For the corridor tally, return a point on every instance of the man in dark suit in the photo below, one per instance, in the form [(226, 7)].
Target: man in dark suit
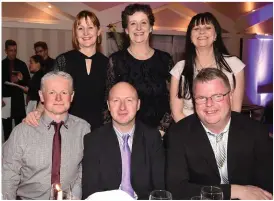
[(13, 70), (124, 154), (218, 147), (41, 48)]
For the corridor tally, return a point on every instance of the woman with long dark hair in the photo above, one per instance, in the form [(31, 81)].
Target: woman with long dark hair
[(204, 48)]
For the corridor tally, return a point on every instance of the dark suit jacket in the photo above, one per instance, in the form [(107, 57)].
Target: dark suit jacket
[(16, 94), (102, 164), (191, 162)]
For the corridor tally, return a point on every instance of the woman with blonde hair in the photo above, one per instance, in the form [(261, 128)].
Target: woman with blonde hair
[(88, 69)]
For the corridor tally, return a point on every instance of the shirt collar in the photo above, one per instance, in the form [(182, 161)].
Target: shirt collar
[(46, 120), (121, 134), (226, 128)]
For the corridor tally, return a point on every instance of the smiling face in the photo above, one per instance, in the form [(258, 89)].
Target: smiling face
[(138, 27), (213, 114), (57, 96), (87, 33), (123, 104), (203, 35)]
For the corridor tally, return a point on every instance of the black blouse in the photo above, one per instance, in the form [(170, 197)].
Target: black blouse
[(89, 101), (150, 77), (34, 85)]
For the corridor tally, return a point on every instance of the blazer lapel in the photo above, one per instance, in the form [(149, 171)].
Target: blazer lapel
[(235, 142), (114, 153), (137, 151), (201, 141)]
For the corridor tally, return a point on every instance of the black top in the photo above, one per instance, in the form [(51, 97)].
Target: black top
[(48, 64), (16, 94), (88, 102), (150, 78), (34, 86)]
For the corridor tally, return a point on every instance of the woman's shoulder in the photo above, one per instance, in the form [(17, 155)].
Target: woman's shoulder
[(234, 63), (68, 53), (118, 54), (177, 70), (162, 53), (101, 56)]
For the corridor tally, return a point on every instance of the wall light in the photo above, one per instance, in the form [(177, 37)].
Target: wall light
[(49, 6)]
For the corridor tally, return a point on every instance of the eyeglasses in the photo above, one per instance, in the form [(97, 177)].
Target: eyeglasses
[(216, 98)]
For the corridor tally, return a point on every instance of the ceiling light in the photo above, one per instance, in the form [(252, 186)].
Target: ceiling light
[(266, 34), (49, 6), (253, 10)]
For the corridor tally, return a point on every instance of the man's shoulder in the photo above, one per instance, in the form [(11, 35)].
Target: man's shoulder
[(76, 120), (20, 61), (245, 121), (99, 133)]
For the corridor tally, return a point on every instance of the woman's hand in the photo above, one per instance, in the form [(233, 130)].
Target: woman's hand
[(32, 118)]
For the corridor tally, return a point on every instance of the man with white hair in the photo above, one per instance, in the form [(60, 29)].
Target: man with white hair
[(34, 158)]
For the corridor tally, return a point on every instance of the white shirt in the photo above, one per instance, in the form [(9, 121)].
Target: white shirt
[(212, 139)]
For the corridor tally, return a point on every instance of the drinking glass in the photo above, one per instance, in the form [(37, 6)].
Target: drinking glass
[(212, 193), (199, 197), (160, 195)]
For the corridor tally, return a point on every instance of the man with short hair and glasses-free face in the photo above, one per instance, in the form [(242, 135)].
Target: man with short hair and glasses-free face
[(41, 48), (218, 147)]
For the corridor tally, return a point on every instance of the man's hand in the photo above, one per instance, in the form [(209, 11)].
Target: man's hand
[(249, 193), (14, 79), (32, 118)]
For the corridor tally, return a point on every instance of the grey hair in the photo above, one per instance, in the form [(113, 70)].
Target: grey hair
[(208, 74), (56, 73)]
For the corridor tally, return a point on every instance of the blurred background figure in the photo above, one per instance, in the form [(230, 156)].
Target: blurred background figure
[(41, 48), (14, 73)]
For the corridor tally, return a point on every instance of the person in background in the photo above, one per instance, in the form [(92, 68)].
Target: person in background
[(36, 63), (147, 69), (88, 68), (34, 158), (41, 48), (204, 48), (14, 73), (124, 154), (218, 147)]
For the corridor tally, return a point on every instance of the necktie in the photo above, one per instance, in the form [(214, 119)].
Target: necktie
[(56, 153), (126, 158), (221, 155)]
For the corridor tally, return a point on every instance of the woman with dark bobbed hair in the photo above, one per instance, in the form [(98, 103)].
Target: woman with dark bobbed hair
[(88, 69), (204, 48), (147, 69)]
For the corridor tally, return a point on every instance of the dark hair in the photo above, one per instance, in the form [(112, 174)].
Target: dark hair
[(10, 43), (208, 74), (83, 14), (41, 44), (219, 49), (133, 8), (38, 59)]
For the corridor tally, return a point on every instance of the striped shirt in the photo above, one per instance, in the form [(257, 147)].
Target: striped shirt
[(213, 141)]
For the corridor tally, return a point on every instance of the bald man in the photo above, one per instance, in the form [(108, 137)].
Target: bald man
[(124, 154)]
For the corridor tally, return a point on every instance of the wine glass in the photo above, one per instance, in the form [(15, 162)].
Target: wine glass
[(160, 195), (198, 197), (212, 193)]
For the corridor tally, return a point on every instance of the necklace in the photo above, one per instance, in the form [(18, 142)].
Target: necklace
[(138, 56), (205, 66)]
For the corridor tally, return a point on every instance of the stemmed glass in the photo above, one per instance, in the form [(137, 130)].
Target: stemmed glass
[(212, 193), (160, 195)]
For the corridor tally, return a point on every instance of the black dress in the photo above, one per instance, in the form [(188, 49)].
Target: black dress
[(89, 101), (150, 78)]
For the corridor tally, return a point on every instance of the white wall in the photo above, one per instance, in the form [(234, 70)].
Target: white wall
[(58, 41)]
